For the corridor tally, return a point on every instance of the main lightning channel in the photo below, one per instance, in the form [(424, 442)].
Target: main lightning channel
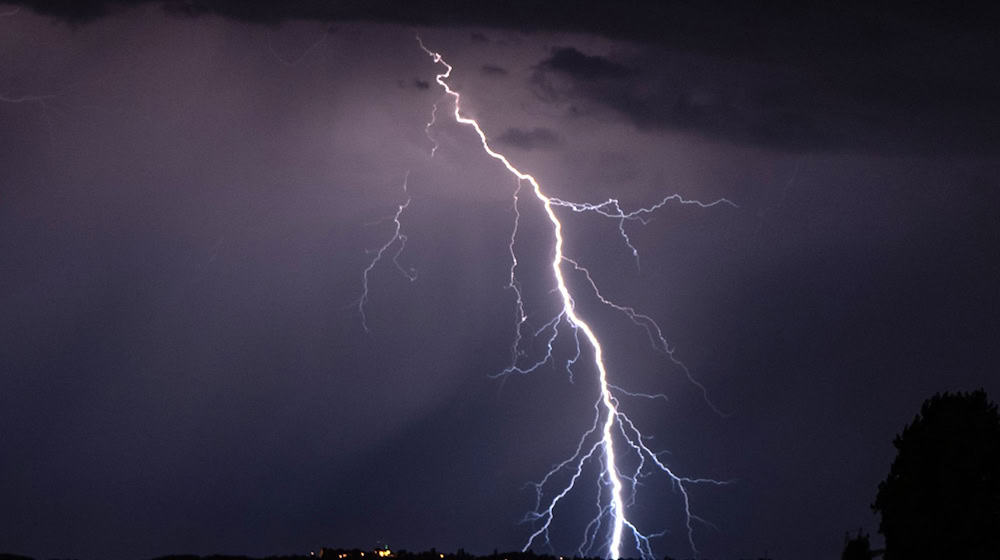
[(617, 504), (606, 404)]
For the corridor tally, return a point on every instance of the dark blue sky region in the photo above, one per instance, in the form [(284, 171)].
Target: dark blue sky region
[(188, 195)]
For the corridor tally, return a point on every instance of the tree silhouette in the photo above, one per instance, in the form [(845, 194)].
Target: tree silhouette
[(858, 548), (942, 496)]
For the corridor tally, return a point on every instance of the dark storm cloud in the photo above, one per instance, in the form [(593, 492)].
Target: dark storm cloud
[(493, 70), (421, 84), (580, 66), (800, 30), (477, 37), (801, 77), (878, 107), (535, 138)]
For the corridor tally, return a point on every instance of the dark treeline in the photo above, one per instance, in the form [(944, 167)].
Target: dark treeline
[(941, 498)]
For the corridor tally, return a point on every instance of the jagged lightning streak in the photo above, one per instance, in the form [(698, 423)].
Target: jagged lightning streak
[(398, 237), (607, 403), (568, 311), (611, 208)]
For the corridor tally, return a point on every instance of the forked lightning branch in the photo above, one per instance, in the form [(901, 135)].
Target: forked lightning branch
[(612, 437)]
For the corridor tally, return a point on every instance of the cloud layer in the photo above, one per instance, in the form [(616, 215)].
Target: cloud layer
[(780, 106), (803, 77), (529, 139)]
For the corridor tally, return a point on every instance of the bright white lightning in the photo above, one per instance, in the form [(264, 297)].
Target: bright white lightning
[(607, 403), (611, 208)]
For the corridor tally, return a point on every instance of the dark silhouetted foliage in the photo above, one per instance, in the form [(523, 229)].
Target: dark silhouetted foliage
[(858, 548), (15, 557), (942, 496)]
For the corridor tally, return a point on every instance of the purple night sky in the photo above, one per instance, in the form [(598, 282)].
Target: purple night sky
[(189, 191)]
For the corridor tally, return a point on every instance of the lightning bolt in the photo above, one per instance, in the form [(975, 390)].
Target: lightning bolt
[(398, 239), (616, 489)]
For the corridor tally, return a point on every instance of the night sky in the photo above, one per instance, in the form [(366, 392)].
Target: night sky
[(189, 191)]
